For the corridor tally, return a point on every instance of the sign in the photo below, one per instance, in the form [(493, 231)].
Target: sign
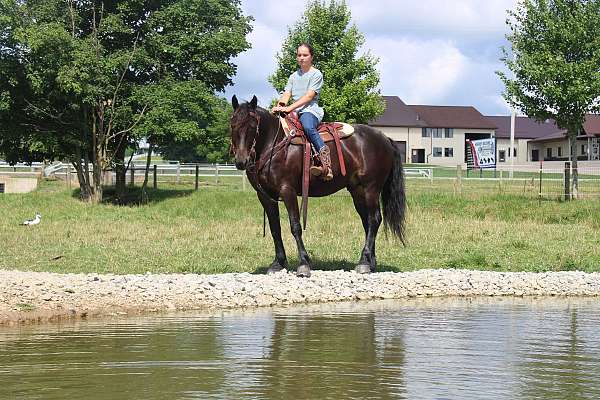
[(484, 153)]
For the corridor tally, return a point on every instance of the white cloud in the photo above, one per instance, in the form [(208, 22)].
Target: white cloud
[(432, 17), (430, 51), (419, 72)]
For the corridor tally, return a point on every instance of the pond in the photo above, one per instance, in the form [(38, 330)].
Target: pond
[(445, 348)]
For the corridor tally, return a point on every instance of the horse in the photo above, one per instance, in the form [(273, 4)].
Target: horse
[(274, 169)]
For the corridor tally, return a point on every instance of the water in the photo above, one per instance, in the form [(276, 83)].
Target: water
[(496, 348)]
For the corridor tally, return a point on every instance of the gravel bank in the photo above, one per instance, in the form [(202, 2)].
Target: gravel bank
[(38, 296)]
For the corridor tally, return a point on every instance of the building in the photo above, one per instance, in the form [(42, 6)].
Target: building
[(535, 141), (432, 134), (526, 129), (21, 183)]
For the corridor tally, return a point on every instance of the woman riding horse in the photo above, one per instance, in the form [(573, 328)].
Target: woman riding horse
[(304, 87), (274, 168)]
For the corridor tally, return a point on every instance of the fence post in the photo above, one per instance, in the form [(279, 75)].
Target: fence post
[(567, 176), (178, 172), (541, 173), (69, 176), (132, 169), (154, 176), (244, 181), (500, 181), (459, 179), (197, 174), (217, 174)]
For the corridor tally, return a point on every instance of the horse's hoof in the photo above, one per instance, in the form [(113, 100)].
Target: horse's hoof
[(303, 271), (275, 267), (363, 269)]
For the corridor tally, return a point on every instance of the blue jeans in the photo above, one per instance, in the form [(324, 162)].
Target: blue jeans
[(309, 123)]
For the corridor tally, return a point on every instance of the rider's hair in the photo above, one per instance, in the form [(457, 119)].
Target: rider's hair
[(308, 46)]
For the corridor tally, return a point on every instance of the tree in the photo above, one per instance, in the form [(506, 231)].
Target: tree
[(556, 63), (88, 77), (211, 145), (350, 90)]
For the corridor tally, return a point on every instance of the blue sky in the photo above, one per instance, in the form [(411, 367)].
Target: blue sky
[(437, 52)]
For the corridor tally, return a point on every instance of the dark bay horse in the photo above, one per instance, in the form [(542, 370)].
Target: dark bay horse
[(374, 171)]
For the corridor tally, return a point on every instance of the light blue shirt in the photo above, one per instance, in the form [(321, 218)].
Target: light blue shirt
[(301, 82)]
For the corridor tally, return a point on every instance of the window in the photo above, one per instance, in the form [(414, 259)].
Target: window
[(583, 149), (437, 151), (560, 151), (433, 132), (449, 133), (448, 152), (502, 155), (549, 152), (1, 187), (515, 152)]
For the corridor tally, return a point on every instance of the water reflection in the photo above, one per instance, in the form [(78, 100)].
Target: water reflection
[(417, 349)]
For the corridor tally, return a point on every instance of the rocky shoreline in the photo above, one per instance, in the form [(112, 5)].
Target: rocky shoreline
[(40, 297)]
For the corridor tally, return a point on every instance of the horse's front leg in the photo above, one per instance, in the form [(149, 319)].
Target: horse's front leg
[(288, 194), (272, 209)]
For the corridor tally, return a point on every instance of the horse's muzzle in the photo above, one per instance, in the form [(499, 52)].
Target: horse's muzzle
[(241, 165)]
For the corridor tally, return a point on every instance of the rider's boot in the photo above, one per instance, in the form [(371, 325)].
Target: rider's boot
[(323, 170)]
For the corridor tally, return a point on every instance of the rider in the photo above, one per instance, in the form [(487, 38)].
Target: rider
[(304, 87)]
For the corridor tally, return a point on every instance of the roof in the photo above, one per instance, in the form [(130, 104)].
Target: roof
[(525, 127), (529, 128), (453, 117), (592, 124), (397, 114)]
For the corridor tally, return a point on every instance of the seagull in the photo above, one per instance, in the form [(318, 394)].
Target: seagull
[(35, 221)]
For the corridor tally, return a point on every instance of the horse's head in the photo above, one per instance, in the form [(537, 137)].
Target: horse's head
[(244, 130)]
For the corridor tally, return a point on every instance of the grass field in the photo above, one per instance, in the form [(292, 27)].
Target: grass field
[(219, 229)]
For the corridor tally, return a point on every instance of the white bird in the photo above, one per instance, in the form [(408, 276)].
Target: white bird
[(35, 221)]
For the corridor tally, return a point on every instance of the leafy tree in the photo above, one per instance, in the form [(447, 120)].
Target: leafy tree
[(556, 64), (350, 90), (87, 78), (211, 145)]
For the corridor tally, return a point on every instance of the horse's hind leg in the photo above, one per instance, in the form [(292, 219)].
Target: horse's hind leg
[(288, 195), (367, 206), (272, 209)]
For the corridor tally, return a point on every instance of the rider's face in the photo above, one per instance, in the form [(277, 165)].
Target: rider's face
[(303, 57)]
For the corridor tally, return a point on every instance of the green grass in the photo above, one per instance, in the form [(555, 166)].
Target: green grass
[(219, 229)]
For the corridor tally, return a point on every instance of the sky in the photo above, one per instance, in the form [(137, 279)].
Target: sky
[(434, 52)]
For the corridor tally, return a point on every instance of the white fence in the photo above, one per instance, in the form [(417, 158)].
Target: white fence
[(543, 181)]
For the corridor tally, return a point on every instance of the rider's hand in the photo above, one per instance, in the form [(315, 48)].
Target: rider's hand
[(286, 110)]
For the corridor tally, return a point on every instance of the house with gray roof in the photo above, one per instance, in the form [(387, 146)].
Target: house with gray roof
[(432, 134), (536, 141)]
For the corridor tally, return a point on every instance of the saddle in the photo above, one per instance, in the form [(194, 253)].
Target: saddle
[(292, 127), (329, 131)]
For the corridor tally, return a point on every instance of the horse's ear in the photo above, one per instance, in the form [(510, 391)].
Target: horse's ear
[(234, 102), (253, 102)]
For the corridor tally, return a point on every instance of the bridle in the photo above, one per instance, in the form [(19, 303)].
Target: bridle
[(245, 122)]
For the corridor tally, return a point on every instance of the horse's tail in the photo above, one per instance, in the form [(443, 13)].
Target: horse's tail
[(394, 198)]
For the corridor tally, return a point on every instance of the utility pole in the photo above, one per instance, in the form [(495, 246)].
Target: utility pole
[(513, 117)]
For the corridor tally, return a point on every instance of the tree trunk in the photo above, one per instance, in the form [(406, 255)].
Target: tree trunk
[(98, 158), (144, 195), (120, 172), (573, 133), (82, 176)]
